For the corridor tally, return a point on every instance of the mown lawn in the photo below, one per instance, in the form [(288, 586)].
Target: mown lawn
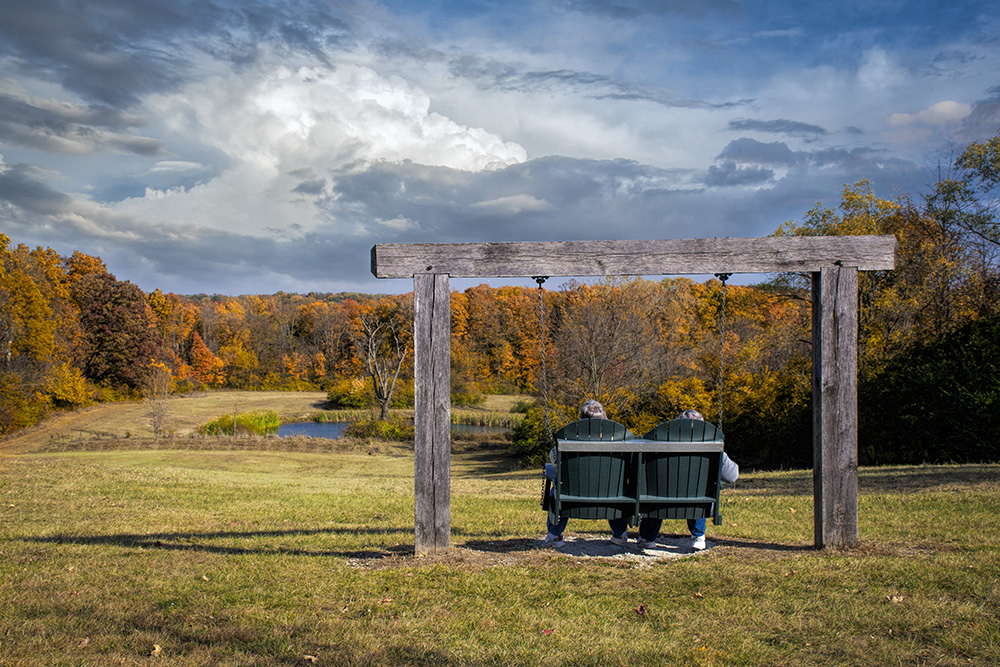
[(247, 557)]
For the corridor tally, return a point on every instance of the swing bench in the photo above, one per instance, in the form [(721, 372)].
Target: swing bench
[(602, 471)]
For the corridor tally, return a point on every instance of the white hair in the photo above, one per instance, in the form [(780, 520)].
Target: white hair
[(591, 409)]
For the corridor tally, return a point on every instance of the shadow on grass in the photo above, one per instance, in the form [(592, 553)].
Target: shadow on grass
[(514, 545), (491, 461), (195, 542), (191, 542)]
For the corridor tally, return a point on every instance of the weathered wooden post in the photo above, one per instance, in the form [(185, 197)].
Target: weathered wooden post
[(834, 262), (432, 412), (835, 405)]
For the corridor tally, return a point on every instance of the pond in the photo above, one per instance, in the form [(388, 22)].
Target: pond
[(333, 430)]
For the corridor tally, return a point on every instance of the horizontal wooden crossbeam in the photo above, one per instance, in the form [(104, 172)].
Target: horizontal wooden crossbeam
[(620, 258)]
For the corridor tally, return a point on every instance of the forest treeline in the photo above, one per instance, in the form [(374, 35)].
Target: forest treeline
[(71, 334)]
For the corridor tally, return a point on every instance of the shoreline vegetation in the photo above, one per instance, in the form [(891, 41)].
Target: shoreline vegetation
[(127, 425)]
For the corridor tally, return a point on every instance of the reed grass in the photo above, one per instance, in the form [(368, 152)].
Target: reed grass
[(257, 422)]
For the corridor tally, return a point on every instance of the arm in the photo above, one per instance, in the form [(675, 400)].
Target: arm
[(730, 471)]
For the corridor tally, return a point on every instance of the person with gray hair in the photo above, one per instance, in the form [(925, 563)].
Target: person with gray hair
[(649, 529), (589, 409)]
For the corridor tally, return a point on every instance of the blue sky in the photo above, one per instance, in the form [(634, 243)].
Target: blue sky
[(246, 146)]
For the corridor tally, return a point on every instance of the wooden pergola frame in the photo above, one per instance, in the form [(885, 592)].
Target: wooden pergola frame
[(833, 261)]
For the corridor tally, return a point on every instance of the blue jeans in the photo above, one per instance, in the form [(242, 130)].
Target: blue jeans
[(650, 528), (557, 528)]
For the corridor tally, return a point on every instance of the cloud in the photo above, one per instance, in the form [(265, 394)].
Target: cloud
[(730, 174), (72, 129), (293, 116), (492, 74), (878, 71), (513, 205), (942, 113), (780, 126), (632, 9), (860, 159), (984, 119), (115, 52), (177, 166), (748, 150)]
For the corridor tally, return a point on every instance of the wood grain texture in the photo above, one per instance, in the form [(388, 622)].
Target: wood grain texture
[(653, 257), (432, 413), (835, 407)]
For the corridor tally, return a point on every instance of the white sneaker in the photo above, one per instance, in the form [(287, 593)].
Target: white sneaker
[(645, 544), (698, 543), (620, 540), (554, 541)]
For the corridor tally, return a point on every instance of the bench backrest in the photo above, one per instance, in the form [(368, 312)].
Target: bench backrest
[(683, 483), (591, 482)]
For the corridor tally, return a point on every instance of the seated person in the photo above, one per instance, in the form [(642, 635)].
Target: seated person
[(649, 529), (590, 409)]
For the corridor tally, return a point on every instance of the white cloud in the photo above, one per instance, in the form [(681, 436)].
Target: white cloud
[(282, 130), (177, 166), (514, 205), (941, 113)]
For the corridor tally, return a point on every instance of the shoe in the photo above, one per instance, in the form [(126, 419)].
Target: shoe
[(620, 540), (698, 543), (554, 541), (645, 544)]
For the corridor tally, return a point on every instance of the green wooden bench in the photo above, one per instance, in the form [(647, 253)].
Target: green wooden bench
[(603, 472), (593, 472), (680, 471)]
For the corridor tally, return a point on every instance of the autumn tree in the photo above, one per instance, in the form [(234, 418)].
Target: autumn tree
[(606, 341), (205, 366), (120, 337)]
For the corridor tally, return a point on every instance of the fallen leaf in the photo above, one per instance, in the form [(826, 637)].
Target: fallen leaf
[(85, 643), (793, 510), (895, 599), (385, 600), (204, 577), (156, 651), (641, 610), (310, 658), (698, 595)]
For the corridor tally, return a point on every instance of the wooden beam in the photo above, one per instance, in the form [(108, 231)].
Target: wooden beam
[(605, 258), (432, 413), (835, 406)]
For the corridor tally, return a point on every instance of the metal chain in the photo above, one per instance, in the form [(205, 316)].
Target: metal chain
[(541, 340), (722, 342)]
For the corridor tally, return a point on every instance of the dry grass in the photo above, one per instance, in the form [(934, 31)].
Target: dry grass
[(183, 416), (262, 556)]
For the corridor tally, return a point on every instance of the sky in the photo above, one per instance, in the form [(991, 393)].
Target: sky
[(253, 146)]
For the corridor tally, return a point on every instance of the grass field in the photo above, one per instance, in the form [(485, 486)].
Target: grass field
[(296, 553)]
